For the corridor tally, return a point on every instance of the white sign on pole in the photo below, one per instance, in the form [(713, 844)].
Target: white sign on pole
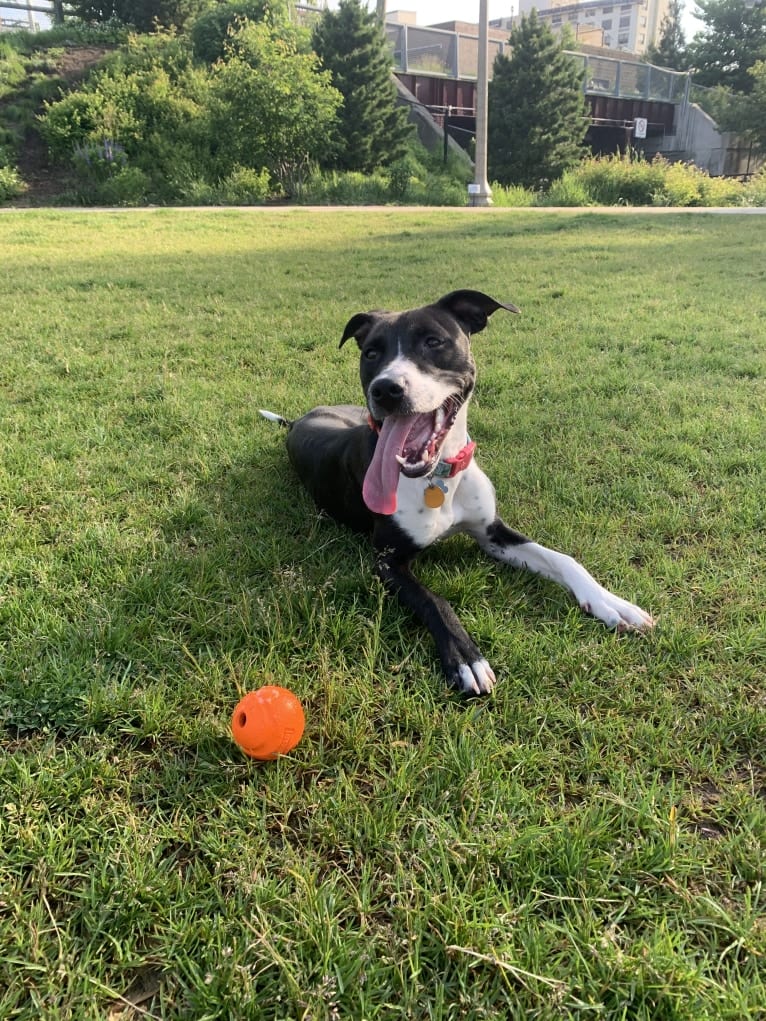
[(639, 127)]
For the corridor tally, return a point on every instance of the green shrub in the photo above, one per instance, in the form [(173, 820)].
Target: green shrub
[(152, 105), (681, 186), (401, 175), (512, 195), (621, 179), (273, 105), (345, 188), (440, 190), (569, 190), (244, 187), (755, 189), (723, 191), (211, 31), (11, 184), (99, 161), (130, 186)]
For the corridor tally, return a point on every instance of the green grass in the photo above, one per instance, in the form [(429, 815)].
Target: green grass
[(586, 843)]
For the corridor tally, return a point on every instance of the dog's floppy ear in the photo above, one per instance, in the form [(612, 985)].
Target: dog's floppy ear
[(472, 308), (358, 327)]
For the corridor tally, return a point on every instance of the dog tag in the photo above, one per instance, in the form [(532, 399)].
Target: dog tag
[(433, 496)]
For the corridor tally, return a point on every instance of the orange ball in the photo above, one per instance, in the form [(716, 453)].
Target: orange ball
[(268, 722)]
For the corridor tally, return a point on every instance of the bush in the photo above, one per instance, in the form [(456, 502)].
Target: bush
[(273, 105), (99, 161), (723, 191), (440, 190), (755, 189), (628, 180), (681, 186), (210, 32), (569, 190), (150, 105), (244, 187), (349, 188), (512, 196), (401, 175), (130, 186), (11, 184)]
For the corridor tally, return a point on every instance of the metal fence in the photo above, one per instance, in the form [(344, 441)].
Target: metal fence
[(631, 79), (435, 51)]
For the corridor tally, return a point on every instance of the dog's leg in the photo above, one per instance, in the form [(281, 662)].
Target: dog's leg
[(464, 666), (502, 543)]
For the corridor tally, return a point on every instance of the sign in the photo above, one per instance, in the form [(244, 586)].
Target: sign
[(639, 127)]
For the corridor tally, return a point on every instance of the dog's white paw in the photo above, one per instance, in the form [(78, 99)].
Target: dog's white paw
[(476, 679), (616, 613)]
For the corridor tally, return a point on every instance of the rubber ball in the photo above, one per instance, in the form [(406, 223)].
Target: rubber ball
[(268, 722)]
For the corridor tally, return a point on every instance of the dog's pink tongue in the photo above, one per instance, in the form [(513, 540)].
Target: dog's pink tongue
[(382, 478)]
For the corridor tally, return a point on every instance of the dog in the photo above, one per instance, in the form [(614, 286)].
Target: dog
[(403, 470)]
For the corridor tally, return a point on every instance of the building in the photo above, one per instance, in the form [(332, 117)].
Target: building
[(632, 26)]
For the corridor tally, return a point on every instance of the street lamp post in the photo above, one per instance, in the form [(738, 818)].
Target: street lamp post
[(481, 193)]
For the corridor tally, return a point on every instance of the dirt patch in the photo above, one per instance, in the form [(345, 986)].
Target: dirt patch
[(77, 61)]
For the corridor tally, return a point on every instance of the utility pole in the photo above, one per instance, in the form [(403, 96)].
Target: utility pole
[(481, 193), (381, 11)]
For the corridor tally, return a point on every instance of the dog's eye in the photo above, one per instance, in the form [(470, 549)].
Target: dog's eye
[(371, 353), (434, 342)]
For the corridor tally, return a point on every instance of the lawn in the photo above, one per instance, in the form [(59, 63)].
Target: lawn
[(588, 842)]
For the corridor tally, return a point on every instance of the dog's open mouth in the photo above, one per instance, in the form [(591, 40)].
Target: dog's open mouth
[(425, 438), (410, 445)]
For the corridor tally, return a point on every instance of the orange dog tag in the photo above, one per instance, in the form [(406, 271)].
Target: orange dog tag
[(433, 497)]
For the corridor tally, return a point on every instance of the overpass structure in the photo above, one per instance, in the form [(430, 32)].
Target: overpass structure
[(438, 68)]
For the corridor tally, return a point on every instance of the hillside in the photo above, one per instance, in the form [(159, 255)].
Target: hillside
[(26, 82)]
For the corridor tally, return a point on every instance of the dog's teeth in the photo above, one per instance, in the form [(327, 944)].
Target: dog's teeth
[(402, 460)]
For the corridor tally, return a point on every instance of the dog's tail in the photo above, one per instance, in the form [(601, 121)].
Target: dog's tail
[(285, 422)]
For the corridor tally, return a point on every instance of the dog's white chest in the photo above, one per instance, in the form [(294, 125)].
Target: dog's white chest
[(424, 524), (469, 501)]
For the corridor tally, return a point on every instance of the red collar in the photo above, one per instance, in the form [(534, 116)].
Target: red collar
[(450, 466)]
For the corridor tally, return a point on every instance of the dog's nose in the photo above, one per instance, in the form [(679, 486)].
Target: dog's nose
[(387, 392)]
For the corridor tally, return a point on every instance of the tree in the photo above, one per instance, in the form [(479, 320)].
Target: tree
[(670, 49), (756, 129), (273, 106), (372, 129), (210, 31), (744, 115), (538, 115), (732, 41), (144, 15)]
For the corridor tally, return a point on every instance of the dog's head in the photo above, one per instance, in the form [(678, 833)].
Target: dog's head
[(417, 371)]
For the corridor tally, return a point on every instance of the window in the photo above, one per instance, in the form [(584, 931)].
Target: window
[(622, 39), (625, 22), (606, 23)]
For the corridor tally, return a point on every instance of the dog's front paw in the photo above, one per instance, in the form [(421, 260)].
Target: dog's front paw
[(616, 613), (476, 678)]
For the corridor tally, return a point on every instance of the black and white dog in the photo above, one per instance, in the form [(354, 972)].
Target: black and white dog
[(403, 469)]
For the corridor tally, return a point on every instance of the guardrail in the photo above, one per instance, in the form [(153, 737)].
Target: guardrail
[(438, 52), (55, 9)]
